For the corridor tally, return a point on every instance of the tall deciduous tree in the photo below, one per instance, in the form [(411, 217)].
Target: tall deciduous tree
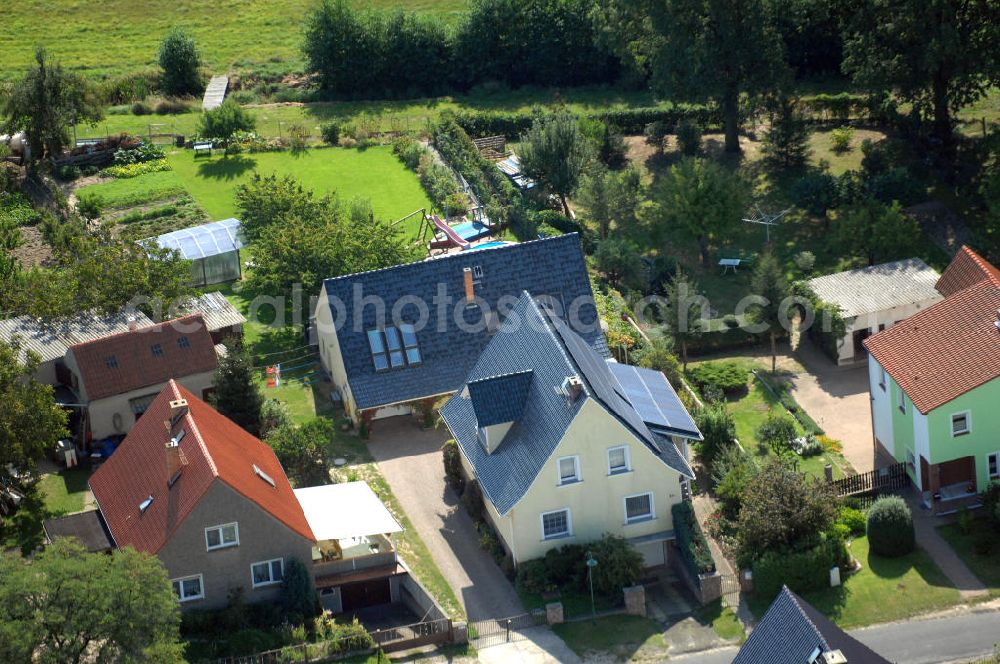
[(611, 198), (770, 284), (181, 64), (684, 315), (702, 198), (236, 393), (781, 508), (555, 153), (45, 103), (302, 449), (878, 232), (700, 50), (67, 605), (939, 55), (30, 421)]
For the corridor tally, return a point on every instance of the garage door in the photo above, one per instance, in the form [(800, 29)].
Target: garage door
[(354, 596), (652, 553), (392, 411)]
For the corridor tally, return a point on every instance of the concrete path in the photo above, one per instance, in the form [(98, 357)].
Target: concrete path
[(215, 93), (410, 460), (540, 646), (704, 505), (925, 526), (958, 637)]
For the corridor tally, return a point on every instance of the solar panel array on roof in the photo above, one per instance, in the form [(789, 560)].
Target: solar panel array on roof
[(654, 398), (218, 237)]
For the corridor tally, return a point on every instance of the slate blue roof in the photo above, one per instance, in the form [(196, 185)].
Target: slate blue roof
[(500, 398), (532, 340), (552, 267), (792, 630)]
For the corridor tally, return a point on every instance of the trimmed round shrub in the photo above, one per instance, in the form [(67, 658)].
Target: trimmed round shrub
[(890, 527), (330, 132)]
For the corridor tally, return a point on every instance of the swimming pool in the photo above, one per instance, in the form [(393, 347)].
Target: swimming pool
[(490, 245)]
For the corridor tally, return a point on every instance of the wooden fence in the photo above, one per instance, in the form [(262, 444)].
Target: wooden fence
[(880, 480)]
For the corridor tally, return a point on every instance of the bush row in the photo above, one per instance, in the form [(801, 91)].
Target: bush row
[(691, 541), (801, 571), (497, 44), (626, 120)]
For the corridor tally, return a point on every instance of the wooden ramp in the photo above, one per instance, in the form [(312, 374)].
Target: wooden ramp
[(215, 93)]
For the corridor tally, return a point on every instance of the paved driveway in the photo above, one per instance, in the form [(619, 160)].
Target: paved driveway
[(837, 398), (410, 460)]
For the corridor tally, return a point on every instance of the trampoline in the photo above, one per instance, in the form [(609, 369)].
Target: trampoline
[(213, 249)]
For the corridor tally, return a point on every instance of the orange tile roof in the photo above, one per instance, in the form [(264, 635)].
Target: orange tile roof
[(966, 269), (214, 448), (945, 350), (136, 366)]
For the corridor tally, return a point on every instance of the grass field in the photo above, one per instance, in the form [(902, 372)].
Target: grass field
[(986, 566), (884, 590), (621, 636), (64, 492), (107, 37), (374, 174)]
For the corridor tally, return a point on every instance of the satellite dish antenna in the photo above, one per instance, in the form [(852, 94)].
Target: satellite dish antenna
[(758, 216)]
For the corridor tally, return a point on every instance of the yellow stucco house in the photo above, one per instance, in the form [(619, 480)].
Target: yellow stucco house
[(566, 445)]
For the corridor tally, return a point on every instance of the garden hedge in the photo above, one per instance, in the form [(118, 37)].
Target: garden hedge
[(727, 377), (801, 571), (695, 552), (890, 527), (631, 121)]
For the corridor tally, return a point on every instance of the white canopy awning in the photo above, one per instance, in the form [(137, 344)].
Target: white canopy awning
[(342, 511)]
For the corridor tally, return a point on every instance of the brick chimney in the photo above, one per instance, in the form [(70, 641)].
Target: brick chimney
[(178, 408), (131, 324), (470, 289)]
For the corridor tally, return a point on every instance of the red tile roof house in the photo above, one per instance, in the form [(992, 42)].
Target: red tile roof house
[(214, 504), (934, 381), (116, 377)]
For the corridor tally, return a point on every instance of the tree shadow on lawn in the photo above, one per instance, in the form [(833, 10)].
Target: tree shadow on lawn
[(227, 168)]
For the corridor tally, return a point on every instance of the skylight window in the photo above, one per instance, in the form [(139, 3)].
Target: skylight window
[(262, 475), (183, 342), (111, 362), (157, 350), (144, 505), (410, 343), (393, 347), (378, 350)]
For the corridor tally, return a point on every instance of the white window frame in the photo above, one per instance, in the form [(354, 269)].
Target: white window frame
[(882, 378), (640, 519), (222, 543), (576, 470), (569, 524), (628, 460), (996, 457), (968, 423), (180, 582), (911, 460), (901, 402), (272, 582)]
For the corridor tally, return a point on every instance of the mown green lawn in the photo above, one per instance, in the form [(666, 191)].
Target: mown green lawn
[(750, 410), (722, 619), (374, 174), (884, 590), (109, 37), (64, 492), (620, 635), (132, 192), (986, 566)]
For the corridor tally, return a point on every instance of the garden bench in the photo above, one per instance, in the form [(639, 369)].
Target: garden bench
[(205, 147)]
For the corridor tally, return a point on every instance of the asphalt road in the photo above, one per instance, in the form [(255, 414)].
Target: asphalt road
[(954, 638)]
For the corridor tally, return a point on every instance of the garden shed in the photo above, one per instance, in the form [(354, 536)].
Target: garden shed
[(874, 298), (213, 249)]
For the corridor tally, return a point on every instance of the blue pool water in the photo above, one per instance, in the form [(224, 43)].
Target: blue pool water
[(490, 245)]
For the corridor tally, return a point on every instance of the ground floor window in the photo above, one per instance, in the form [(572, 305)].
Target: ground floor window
[(267, 572), (993, 462), (189, 588), (638, 507), (555, 524)]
